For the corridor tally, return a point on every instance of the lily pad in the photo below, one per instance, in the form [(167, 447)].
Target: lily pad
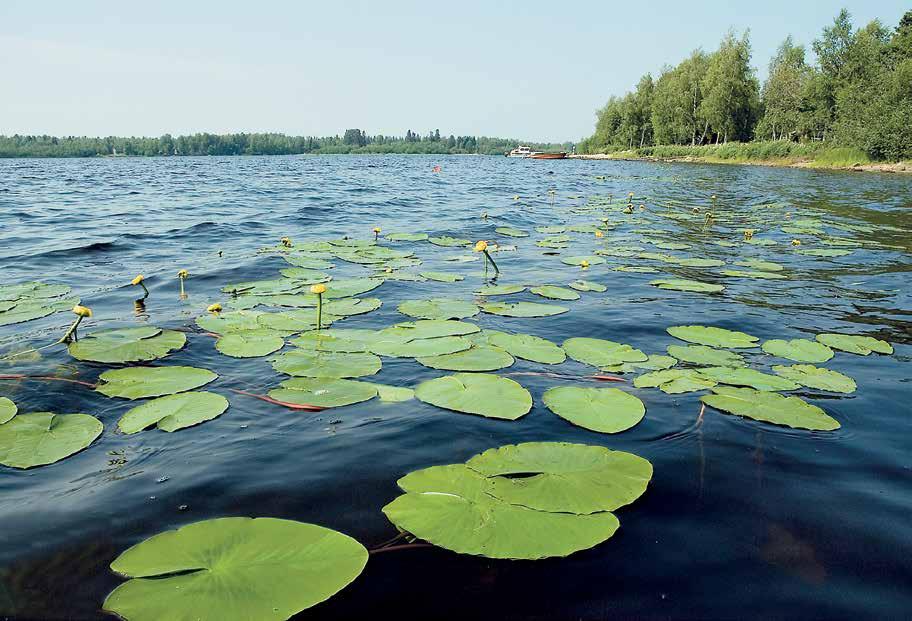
[(8, 409), (555, 293), (509, 231), (234, 569), (41, 438), (816, 377), (757, 264), (394, 394), (174, 412), (232, 321), (442, 276), (713, 337), (753, 274), (674, 381), (500, 290), (600, 352), (252, 344), (654, 362), (413, 237), (606, 410), (427, 329), (347, 340), (824, 252), (523, 309), (323, 392), (528, 347), (438, 308), (771, 408), (748, 377), (563, 477), (305, 275), (308, 262), (475, 358), (855, 344), (127, 345), (304, 363), (587, 285), (707, 356), (681, 284), (590, 259), (487, 395), (799, 350), (421, 347), (143, 382), (449, 242)]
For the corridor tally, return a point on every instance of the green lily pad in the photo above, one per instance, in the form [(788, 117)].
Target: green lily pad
[(713, 337), (824, 252), (771, 408), (606, 410), (251, 344), (799, 350), (706, 356), (442, 276), (41, 438), (174, 412), (323, 392), (427, 329), (394, 394), (294, 321), (347, 340), (590, 259), (674, 381), (528, 347), (681, 284), (8, 409), (563, 477), (816, 377), (697, 262), (748, 377), (438, 308), (555, 293), (587, 285), (753, 274), (328, 364), (500, 290), (234, 569), (550, 230), (127, 345), (601, 353), (305, 275), (757, 264), (653, 363), (855, 344), (347, 307), (475, 358), (143, 382), (487, 395), (637, 269), (523, 309), (311, 263), (511, 232), (449, 242), (231, 321), (412, 237), (421, 347), (448, 507)]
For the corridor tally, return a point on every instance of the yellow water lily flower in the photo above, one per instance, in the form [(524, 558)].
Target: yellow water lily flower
[(138, 280), (286, 241), (796, 242), (516, 198), (214, 308), (749, 233), (584, 264), (82, 311), (377, 229), (599, 234), (183, 274), (318, 288), (481, 246)]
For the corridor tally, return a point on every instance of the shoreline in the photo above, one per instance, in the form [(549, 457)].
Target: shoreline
[(882, 167)]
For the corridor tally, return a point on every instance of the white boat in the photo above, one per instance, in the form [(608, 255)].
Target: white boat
[(520, 151)]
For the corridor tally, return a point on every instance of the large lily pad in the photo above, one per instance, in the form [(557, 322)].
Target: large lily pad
[(675, 381), (8, 409), (509, 231), (232, 321), (587, 285), (250, 344), (523, 309), (555, 293), (771, 408), (174, 412), (713, 337), (449, 242), (816, 377), (347, 340), (421, 347), (477, 393), (855, 344), (528, 347), (748, 377), (442, 276), (680, 284), (600, 352), (707, 356), (563, 477), (753, 274), (412, 237), (40, 438), (234, 569), (799, 350), (127, 345), (306, 363), (475, 358), (449, 507), (500, 290), (323, 392), (606, 410), (427, 329), (143, 382), (438, 308)]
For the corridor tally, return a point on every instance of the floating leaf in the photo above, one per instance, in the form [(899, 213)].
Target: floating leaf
[(638, 269), (591, 260), (449, 242), (421, 347), (475, 358), (652, 363), (41, 438), (671, 245), (528, 347), (799, 350), (555, 293), (413, 237), (549, 230), (311, 263), (500, 290), (438, 308), (346, 340), (770, 407), (427, 329), (394, 394), (323, 392), (757, 264), (127, 345), (674, 381), (681, 284), (707, 356), (143, 382), (587, 285), (753, 274), (855, 344), (523, 309), (511, 232), (601, 353), (606, 410), (251, 344), (696, 262), (8, 409), (347, 307), (748, 377), (824, 252), (448, 506), (306, 276), (442, 276), (477, 393), (816, 377), (232, 321), (234, 569), (713, 337), (304, 363), (174, 412), (563, 477)]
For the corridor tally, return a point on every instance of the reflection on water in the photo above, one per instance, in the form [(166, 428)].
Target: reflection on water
[(741, 519)]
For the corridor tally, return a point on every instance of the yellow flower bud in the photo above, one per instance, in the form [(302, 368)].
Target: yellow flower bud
[(748, 233), (516, 198), (318, 288), (183, 274), (286, 241), (599, 234), (796, 242), (481, 246), (139, 278), (214, 308), (584, 264), (82, 311), (377, 229), (713, 197)]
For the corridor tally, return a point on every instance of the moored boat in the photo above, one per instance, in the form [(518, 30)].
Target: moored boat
[(520, 151)]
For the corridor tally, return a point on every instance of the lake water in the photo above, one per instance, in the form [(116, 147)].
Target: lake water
[(742, 519)]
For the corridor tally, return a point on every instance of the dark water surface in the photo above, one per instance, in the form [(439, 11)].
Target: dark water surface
[(741, 519)]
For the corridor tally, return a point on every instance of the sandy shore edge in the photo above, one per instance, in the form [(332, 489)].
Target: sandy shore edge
[(897, 167)]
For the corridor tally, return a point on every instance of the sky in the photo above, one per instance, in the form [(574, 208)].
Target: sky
[(527, 69)]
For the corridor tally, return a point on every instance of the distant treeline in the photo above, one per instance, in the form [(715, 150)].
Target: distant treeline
[(353, 141), (858, 95)]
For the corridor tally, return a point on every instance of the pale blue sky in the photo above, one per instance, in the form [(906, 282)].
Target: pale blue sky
[(525, 69)]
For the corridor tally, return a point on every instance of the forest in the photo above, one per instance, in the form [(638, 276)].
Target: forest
[(856, 95)]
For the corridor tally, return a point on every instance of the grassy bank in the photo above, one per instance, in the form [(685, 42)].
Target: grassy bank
[(770, 153)]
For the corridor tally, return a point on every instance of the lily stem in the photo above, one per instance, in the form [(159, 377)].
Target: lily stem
[(319, 311), (494, 265)]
